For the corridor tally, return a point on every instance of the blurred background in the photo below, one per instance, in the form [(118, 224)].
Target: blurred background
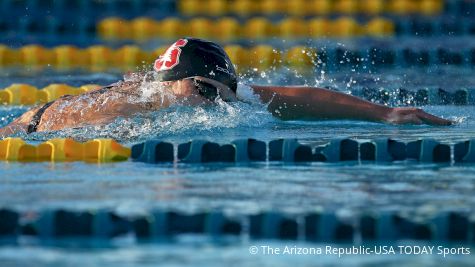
[(338, 44), (259, 33), (392, 52)]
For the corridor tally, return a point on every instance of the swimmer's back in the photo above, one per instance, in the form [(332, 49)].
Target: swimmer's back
[(98, 106), (95, 107)]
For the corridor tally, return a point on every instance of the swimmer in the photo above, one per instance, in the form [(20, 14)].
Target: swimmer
[(197, 72)]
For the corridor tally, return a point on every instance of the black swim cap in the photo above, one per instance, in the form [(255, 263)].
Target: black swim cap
[(190, 57)]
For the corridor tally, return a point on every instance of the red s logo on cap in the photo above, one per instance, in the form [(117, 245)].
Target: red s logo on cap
[(171, 57)]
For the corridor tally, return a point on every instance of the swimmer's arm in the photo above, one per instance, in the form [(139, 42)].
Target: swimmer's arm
[(309, 103)]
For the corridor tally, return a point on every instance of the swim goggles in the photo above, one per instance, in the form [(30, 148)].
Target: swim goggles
[(205, 89)]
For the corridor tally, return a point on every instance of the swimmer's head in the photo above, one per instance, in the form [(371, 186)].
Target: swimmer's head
[(192, 57)]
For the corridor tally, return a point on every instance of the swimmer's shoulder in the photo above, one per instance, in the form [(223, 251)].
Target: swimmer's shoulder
[(131, 82), (115, 87)]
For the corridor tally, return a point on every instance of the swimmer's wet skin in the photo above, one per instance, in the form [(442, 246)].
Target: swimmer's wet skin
[(198, 72)]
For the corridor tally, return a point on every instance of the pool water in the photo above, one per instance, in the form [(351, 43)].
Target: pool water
[(193, 251), (427, 52), (352, 187), (132, 188)]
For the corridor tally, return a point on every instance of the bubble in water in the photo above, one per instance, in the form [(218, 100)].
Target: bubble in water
[(350, 82), (176, 120), (151, 89), (458, 120)]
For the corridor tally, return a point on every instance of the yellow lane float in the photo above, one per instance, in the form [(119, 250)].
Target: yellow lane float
[(58, 150)]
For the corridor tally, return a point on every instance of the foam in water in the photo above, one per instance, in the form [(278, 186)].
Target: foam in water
[(245, 93), (176, 119), (179, 119)]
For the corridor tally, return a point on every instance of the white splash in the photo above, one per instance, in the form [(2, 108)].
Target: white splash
[(176, 120), (246, 94)]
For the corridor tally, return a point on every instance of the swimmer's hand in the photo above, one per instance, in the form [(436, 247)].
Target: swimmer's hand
[(414, 116)]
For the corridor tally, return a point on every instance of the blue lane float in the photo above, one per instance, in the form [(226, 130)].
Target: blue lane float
[(390, 226), (442, 26), (327, 227), (201, 151), (382, 150), (459, 9), (238, 151), (14, 9), (465, 151), (9, 223), (428, 150), (291, 150), (379, 57), (454, 227), (340, 150), (164, 224), (248, 150), (273, 225), (64, 223), (153, 152), (420, 97), (459, 97), (37, 9), (446, 226)]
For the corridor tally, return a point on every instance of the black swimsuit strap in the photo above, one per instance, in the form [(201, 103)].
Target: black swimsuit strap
[(35, 120)]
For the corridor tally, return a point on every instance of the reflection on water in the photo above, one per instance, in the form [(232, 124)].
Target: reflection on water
[(196, 251), (132, 187)]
